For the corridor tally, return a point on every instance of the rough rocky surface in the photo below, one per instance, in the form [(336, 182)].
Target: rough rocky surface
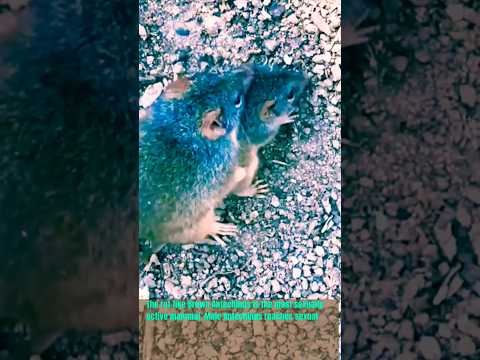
[(239, 340), (289, 241), (411, 274)]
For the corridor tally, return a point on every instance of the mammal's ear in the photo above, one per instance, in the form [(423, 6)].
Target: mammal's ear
[(176, 89), (211, 126)]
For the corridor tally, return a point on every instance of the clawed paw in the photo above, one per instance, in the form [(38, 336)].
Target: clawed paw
[(260, 188), (220, 230), (352, 36), (257, 189)]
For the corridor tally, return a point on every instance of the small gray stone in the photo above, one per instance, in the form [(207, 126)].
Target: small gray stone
[(405, 330), (473, 194), (296, 273), (429, 347), (400, 63), (464, 216), (468, 95), (381, 221), (117, 338), (422, 56), (349, 334), (444, 330), (465, 346), (455, 12), (446, 240)]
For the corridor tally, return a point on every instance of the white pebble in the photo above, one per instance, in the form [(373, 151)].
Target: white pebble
[(296, 294), (264, 16), (317, 59), (292, 19), (317, 69), (212, 24), (276, 286), (186, 281), (275, 201), (142, 32), (287, 59), (320, 23), (336, 73), (178, 68), (270, 44), (320, 251), (241, 4), (310, 28)]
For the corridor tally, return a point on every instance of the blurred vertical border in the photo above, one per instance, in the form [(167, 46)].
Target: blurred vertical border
[(69, 160)]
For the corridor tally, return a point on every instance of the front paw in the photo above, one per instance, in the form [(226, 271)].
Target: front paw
[(257, 189)]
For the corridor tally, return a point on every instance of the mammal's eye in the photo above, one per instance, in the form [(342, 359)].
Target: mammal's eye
[(238, 101), (291, 95)]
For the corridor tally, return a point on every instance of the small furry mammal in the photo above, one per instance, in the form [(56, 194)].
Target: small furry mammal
[(188, 152), (272, 100)]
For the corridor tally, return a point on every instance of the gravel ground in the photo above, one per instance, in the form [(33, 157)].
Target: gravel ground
[(243, 340), (411, 275), (79, 346), (289, 242)]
